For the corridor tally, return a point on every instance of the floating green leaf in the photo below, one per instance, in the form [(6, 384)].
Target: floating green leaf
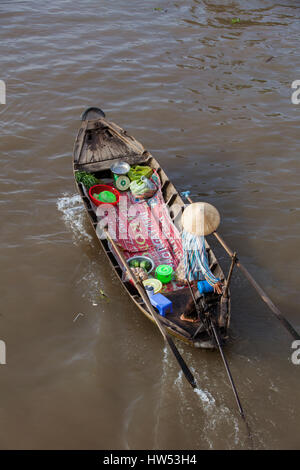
[(103, 295)]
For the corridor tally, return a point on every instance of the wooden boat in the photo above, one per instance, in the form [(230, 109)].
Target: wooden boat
[(100, 143)]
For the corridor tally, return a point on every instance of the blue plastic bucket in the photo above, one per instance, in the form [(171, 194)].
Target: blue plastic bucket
[(204, 287)]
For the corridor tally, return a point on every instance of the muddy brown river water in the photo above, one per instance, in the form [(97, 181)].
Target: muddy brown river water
[(211, 99)]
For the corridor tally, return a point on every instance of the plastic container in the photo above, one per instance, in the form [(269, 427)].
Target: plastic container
[(149, 291), (157, 285), (98, 188), (119, 168), (164, 273), (148, 183), (143, 258), (204, 287), (122, 182)]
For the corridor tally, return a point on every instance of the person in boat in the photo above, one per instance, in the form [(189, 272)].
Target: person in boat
[(198, 220)]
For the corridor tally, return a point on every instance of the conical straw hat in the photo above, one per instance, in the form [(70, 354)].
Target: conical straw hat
[(200, 218)]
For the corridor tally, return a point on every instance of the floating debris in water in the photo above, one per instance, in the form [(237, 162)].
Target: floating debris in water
[(78, 316), (103, 296), (235, 20)]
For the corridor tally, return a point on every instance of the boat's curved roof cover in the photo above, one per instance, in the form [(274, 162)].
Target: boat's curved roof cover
[(100, 140)]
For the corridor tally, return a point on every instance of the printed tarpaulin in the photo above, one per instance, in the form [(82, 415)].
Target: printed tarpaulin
[(146, 228)]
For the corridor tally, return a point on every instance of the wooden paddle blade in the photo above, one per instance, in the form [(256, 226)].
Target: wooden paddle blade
[(188, 375)]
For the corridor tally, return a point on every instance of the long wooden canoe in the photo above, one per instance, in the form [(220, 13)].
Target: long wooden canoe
[(99, 143)]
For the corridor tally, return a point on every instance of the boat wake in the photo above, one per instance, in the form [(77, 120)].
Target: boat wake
[(199, 410), (205, 396), (217, 420), (160, 398), (73, 214), (90, 284)]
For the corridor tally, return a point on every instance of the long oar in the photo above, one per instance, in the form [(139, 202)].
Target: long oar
[(238, 401), (189, 376), (256, 286), (217, 340), (218, 343)]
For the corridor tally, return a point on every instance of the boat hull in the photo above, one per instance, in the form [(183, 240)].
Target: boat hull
[(98, 144)]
